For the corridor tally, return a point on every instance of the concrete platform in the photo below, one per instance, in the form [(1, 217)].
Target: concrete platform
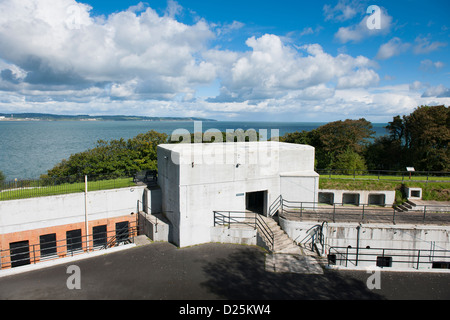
[(292, 263)]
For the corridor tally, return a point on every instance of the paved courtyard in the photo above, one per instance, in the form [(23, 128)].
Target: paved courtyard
[(160, 271)]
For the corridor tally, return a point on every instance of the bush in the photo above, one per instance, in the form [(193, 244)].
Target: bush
[(350, 162)]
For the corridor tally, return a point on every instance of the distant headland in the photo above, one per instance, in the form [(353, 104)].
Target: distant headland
[(84, 117)]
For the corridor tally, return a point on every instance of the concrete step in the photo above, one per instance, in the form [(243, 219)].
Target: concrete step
[(292, 263)]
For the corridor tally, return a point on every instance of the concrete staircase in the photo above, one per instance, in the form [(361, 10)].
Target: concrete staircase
[(282, 242), (287, 257), (406, 206)]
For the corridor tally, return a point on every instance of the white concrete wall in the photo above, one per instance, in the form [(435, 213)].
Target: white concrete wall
[(35, 213), (198, 179), (377, 236), (300, 187)]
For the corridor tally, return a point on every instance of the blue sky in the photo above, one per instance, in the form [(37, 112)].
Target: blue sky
[(231, 60)]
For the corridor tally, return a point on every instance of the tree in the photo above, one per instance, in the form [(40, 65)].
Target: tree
[(2, 177), (335, 138), (110, 159), (350, 162), (423, 138)]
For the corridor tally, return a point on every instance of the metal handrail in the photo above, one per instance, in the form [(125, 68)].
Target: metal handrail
[(385, 175), (363, 210), (415, 257), (277, 204), (265, 230), (235, 217)]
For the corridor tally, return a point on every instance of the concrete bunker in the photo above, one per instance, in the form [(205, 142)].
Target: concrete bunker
[(198, 180)]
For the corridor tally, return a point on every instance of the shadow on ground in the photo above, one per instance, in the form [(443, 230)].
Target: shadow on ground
[(241, 275)]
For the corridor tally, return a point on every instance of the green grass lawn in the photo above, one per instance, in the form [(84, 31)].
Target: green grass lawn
[(405, 178), (65, 188), (439, 191)]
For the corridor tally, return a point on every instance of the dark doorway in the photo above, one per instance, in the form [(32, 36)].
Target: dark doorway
[(20, 253), (255, 201)]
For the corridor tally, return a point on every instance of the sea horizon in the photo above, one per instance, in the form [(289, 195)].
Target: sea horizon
[(31, 148)]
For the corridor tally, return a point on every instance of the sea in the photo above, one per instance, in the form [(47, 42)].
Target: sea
[(30, 148)]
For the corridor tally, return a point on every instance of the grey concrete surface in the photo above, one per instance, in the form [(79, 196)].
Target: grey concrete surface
[(160, 271)]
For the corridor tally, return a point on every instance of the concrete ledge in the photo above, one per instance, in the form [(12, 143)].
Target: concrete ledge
[(156, 227)]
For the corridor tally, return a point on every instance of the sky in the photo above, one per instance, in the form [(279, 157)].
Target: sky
[(247, 60)]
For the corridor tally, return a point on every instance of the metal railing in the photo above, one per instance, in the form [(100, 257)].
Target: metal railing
[(34, 253), (385, 175), (31, 188), (388, 257), (315, 238), (254, 220), (364, 212)]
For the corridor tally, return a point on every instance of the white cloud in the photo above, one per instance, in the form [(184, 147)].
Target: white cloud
[(429, 66), (59, 43), (393, 47), (272, 69), (360, 31), (423, 45), (439, 91), (57, 57), (342, 11)]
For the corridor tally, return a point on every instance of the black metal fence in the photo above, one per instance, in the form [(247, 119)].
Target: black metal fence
[(49, 248), (385, 175), (363, 213), (47, 186), (389, 257)]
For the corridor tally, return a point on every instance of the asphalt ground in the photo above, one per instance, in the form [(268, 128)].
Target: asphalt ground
[(160, 271)]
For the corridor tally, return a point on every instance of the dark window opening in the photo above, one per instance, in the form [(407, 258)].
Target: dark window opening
[(441, 265), (377, 199), (384, 261), (350, 198), (48, 245), (20, 253), (122, 233), (415, 193), (326, 197), (73, 239), (99, 236)]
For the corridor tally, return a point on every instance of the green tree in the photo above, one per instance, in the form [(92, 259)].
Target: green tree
[(337, 137), (333, 139), (423, 138), (350, 162), (2, 177), (110, 159)]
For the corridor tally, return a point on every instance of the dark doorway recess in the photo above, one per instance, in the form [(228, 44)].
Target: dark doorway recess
[(255, 201)]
